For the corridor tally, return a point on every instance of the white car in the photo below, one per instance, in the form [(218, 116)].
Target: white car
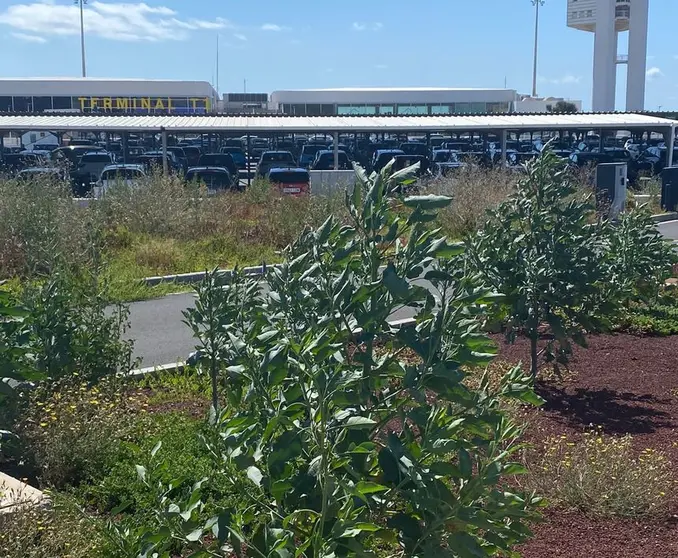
[(129, 175)]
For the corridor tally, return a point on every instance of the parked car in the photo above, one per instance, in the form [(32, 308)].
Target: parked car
[(293, 181), (403, 161), (15, 162), (308, 153), (446, 161), (70, 155), (414, 148), (127, 174), (90, 165), (153, 161), (180, 156), (273, 159), (383, 156), (215, 178), (192, 154), (53, 173), (324, 160), (219, 160), (238, 156)]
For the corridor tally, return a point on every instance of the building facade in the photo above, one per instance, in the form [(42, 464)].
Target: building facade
[(106, 96), (606, 19), (388, 101)]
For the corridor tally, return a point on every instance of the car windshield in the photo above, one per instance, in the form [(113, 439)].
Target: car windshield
[(121, 174), (277, 157), (441, 156), (95, 159), (289, 177), (210, 178), (311, 149)]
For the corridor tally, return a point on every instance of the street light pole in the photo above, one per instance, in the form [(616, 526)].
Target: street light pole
[(536, 4), (82, 34)]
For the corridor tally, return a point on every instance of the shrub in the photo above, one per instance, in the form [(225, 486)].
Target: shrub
[(543, 250), (601, 475), (64, 532), (343, 448), (71, 432), (640, 259)]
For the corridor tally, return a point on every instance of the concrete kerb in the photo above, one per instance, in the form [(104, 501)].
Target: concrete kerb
[(196, 277), (139, 373), (664, 217), (17, 495)]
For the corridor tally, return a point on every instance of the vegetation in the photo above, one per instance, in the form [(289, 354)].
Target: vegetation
[(544, 251), (345, 450), (601, 476), (563, 271), (565, 106)]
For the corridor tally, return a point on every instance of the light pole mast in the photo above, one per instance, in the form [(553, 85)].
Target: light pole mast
[(82, 34), (536, 4)]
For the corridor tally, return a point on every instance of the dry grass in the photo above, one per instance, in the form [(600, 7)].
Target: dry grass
[(474, 191), (600, 475)]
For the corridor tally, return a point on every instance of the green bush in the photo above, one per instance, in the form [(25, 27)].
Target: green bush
[(544, 251), (344, 446)]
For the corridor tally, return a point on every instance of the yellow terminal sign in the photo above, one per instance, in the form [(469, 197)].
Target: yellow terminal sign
[(141, 103)]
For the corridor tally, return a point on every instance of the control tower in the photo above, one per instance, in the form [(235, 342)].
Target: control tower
[(607, 18)]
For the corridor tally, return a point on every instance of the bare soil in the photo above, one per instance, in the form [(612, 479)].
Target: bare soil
[(626, 385)]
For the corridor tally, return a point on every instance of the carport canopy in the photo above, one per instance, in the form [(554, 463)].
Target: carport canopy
[(500, 124)]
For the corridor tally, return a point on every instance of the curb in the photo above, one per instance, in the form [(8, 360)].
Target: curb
[(664, 217), (138, 373), (198, 276), (16, 495)]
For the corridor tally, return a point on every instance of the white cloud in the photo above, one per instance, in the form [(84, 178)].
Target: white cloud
[(361, 26), (274, 27), (121, 21), (654, 73), (29, 38), (567, 79), (240, 36)]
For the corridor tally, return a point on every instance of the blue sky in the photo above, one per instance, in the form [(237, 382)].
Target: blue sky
[(295, 44)]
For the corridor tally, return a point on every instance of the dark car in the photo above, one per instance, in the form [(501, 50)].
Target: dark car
[(324, 160), (232, 142), (414, 148), (308, 153), (215, 178), (272, 159), (180, 156), (383, 156), (14, 162), (446, 161), (403, 161), (71, 154), (292, 181), (238, 156), (219, 160), (192, 155), (153, 161)]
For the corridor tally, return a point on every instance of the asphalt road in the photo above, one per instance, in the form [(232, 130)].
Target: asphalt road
[(669, 229), (161, 337)]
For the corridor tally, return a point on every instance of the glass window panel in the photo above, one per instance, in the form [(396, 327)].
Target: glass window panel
[(5, 104), (412, 109), (23, 104), (440, 109), (313, 110), (62, 103), (462, 108), (41, 104), (478, 108), (386, 109)]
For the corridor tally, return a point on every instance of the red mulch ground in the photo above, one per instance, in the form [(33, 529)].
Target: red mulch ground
[(627, 385)]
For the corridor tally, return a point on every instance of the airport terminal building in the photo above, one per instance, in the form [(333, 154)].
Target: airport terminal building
[(87, 95), (136, 96)]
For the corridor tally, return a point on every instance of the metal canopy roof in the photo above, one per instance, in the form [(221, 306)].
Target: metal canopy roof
[(253, 123)]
